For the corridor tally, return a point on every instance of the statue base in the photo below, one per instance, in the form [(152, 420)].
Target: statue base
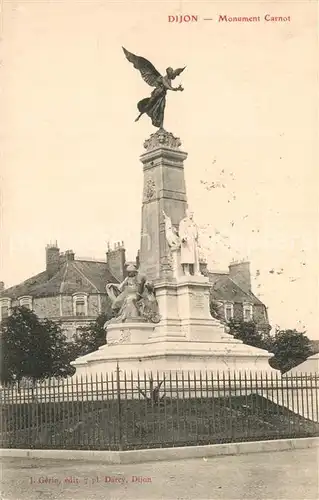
[(129, 333), (186, 339)]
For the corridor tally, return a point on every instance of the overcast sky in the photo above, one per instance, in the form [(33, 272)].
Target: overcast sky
[(247, 118)]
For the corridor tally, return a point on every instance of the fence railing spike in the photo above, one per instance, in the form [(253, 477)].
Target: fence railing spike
[(121, 408)]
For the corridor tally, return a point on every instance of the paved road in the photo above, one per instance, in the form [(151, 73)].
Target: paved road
[(286, 475)]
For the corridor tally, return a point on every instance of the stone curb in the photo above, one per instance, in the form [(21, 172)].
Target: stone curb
[(155, 454)]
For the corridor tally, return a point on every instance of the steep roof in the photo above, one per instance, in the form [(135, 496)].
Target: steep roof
[(91, 277), (26, 286), (73, 276), (224, 288)]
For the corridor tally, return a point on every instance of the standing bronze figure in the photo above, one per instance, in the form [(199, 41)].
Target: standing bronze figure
[(154, 106)]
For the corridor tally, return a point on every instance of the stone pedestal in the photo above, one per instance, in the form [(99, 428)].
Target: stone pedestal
[(186, 339), (129, 333), (184, 310), (164, 190)]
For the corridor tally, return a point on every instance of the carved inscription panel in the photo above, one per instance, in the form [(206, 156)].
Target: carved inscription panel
[(198, 301)]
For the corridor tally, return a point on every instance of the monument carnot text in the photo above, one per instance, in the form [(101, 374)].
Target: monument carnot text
[(162, 319)]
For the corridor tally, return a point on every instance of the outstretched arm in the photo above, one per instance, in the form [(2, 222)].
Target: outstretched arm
[(169, 86), (122, 285)]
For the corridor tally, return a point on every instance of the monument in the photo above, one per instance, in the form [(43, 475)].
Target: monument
[(162, 316)]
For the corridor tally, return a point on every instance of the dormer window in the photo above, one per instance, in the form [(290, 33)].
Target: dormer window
[(229, 311), (247, 312), (5, 306), (80, 304), (26, 302)]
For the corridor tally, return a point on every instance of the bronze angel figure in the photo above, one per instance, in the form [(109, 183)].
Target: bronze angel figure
[(154, 106)]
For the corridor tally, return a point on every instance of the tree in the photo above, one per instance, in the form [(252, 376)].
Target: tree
[(33, 348), (290, 348), (251, 334), (92, 336)]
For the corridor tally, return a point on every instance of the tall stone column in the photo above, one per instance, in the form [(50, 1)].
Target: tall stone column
[(164, 190)]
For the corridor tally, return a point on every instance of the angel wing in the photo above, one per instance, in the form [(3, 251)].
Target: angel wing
[(170, 232), (149, 74), (177, 72)]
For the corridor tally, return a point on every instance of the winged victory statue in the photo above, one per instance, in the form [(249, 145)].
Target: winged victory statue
[(154, 105)]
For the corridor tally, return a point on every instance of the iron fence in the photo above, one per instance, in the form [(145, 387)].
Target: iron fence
[(126, 411)]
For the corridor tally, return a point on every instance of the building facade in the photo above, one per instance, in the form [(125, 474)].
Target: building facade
[(232, 295), (70, 291)]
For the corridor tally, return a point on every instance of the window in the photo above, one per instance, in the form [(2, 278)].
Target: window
[(248, 312), (25, 302), (229, 311), (5, 305), (4, 311), (80, 305)]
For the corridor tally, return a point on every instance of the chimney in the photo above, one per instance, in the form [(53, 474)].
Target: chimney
[(203, 268), (137, 260), (239, 272), (1, 286), (68, 255), (52, 259), (115, 259)]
